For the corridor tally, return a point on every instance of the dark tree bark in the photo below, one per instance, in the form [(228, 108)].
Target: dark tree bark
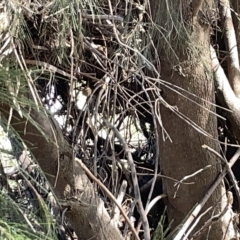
[(188, 66)]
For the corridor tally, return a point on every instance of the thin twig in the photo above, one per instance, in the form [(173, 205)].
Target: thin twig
[(154, 113), (212, 219), (134, 179), (49, 67), (187, 177), (116, 211), (208, 194), (207, 224), (71, 87), (229, 171)]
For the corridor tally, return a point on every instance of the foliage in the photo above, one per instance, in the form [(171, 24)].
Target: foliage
[(85, 63), (51, 53)]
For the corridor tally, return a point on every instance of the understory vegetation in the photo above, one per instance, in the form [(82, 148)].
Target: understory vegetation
[(82, 90)]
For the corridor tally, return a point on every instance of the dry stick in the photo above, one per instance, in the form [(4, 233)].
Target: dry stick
[(159, 176), (51, 68), (96, 129), (154, 113), (198, 208), (223, 86), (109, 194), (135, 181), (196, 222), (102, 17), (178, 183)]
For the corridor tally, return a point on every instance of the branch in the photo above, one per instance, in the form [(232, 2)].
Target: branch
[(134, 179), (226, 94), (199, 206), (230, 36), (229, 171), (109, 194), (91, 221)]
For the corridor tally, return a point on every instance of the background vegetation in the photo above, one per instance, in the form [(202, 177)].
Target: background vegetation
[(118, 118)]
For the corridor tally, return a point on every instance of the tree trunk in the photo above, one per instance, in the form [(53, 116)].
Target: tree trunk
[(86, 212), (188, 65)]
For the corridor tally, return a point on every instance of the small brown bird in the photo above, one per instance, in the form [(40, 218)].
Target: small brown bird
[(87, 91)]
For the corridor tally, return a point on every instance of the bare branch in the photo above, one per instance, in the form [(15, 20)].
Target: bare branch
[(222, 82), (134, 179), (229, 171), (226, 94), (230, 35)]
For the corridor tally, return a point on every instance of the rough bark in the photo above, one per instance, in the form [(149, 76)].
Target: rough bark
[(86, 212), (189, 70)]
